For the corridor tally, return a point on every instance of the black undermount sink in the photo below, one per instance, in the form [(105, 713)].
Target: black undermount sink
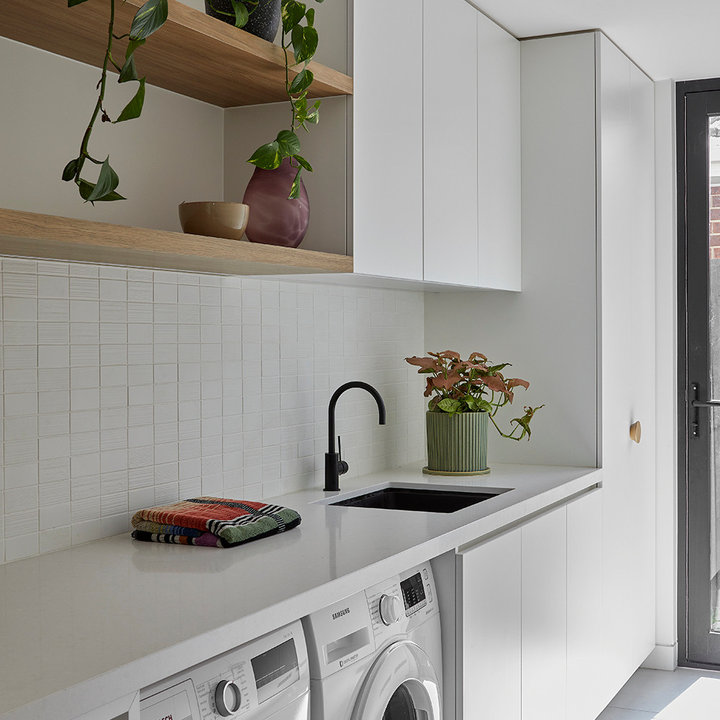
[(419, 499)]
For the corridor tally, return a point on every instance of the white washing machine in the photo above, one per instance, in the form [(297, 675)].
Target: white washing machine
[(377, 655), (264, 679)]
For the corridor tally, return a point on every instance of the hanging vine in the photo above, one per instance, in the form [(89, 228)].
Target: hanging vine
[(149, 18), (304, 41)]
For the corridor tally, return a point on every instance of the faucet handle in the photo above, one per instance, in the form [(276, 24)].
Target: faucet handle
[(343, 467)]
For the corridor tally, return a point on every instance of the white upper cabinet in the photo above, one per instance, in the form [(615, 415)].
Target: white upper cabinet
[(436, 144), (451, 142), (498, 164), (388, 139)]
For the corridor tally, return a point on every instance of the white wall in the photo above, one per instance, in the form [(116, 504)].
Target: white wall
[(172, 153), (128, 388), (548, 331)]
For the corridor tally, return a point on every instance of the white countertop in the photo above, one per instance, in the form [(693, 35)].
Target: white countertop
[(93, 624)]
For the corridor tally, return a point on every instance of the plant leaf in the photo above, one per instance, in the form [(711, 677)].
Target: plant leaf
[(303, 162), (241, 13), (301, 82), (134, 108), (288, 143), (86, 188), (106, 183), (309, 45), (297, 38), (149, 18), (295, 187), (267, 156), (292, 13), (310, 16), (70, 169), (449, 406), (128, 72)]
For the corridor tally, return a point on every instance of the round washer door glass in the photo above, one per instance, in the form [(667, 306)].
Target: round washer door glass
[(401, 685)]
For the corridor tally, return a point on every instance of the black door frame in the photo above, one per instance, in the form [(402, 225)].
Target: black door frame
[(695, 648)]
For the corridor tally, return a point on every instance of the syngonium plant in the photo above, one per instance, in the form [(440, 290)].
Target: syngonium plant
[(458, 386)]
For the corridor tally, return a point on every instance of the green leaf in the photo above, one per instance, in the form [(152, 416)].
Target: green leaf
[(302, 82), (310, 15), (128, 71), (106, 183), (295, 187), (309, 45), (297, 38), (73, 3), (267, 157), (288, 143), (86, 189), (303, 162), (241, 13), (292, 13), (70, 170), (449, 406), (149, 18), (134, 108)]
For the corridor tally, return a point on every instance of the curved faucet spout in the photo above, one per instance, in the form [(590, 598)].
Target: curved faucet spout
[(334, 464)]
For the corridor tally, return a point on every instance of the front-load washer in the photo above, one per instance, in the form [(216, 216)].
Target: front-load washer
[(377, 655), (264, 679)]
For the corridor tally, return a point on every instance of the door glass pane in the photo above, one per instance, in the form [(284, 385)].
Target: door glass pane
[(402, 707), (714, 359)]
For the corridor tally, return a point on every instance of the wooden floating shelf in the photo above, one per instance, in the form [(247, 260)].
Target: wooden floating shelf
[(26, 234), (192, 54)]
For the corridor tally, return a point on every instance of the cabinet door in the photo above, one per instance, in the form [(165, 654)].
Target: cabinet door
[(498, 164), (388, 139), (450, 142), (489, 630), (628, 366), (585, 700), (544, 633)]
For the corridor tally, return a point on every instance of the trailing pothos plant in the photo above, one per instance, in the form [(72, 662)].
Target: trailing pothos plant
[(149, 18), (457, 386), (303, 38)]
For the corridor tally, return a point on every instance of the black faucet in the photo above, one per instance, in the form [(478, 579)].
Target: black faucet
[(335, 466)]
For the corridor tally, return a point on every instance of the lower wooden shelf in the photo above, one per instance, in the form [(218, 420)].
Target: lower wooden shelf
[(26, 234)]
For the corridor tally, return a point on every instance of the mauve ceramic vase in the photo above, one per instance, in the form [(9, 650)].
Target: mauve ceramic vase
[(274, 218), (263, 22)]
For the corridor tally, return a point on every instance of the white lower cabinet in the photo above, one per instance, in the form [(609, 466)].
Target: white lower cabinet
[(528, 609)]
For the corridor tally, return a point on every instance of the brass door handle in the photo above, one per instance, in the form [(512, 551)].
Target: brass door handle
[(636, 431)]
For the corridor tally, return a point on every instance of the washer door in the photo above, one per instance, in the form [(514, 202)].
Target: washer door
[(401, 685)]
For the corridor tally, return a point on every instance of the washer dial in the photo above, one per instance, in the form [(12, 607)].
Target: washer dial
[(227, 698)]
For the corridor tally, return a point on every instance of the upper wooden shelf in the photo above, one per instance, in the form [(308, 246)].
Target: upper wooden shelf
[(192, 54), (28, 234)]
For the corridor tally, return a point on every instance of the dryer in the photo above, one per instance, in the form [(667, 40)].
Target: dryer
[(377, 655), (266, 679)]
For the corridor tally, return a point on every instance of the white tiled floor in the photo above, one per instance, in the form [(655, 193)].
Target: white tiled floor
[(681, 695)]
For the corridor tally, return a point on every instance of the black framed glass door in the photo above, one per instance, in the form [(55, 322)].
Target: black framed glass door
[(698, 115)]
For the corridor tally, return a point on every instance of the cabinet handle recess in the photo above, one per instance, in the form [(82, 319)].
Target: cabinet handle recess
[(636, 431)]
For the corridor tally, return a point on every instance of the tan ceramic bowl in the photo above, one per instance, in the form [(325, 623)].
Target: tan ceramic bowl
[(217, 219)]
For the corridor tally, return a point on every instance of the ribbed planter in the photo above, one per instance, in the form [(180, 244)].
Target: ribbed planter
[(457, 444)]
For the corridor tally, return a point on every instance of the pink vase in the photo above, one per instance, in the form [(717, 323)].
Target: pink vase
[(274, 218)]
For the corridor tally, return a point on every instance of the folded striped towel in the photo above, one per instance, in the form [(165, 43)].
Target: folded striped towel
[(219, 522)]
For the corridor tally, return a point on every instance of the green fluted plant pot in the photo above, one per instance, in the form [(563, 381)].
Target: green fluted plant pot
[(457, 444)]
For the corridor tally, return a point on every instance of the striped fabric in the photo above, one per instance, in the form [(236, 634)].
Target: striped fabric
[(211, 521)]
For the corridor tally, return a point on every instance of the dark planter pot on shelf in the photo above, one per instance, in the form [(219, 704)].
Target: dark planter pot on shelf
[(274, 218), (264, 19)]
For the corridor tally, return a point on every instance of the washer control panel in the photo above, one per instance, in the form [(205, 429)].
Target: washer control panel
[(271, 672), (400, 602)]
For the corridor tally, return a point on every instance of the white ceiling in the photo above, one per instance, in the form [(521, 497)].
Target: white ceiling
[(667, 38)]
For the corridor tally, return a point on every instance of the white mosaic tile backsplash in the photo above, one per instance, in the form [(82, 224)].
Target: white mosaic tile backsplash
[(127, 388)]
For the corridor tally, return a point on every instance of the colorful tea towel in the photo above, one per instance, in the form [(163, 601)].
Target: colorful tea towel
[(203, 539), (231, 521)]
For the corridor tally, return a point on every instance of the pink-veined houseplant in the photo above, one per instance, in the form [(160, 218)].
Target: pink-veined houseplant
[(464, 396)]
